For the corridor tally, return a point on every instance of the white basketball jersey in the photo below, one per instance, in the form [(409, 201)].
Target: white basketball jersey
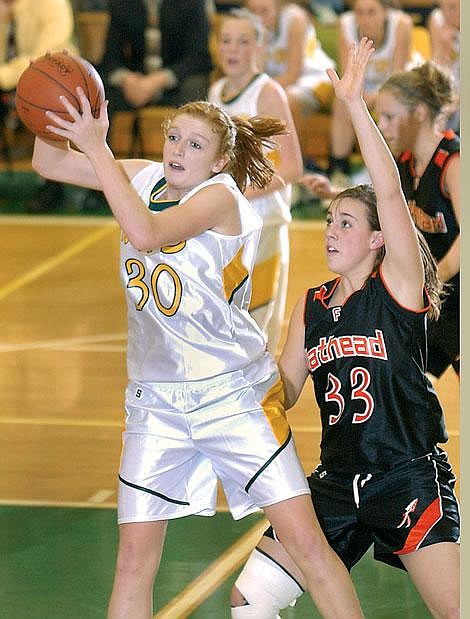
[(380, 66), (274, 207), (187, 303), (315, 60)]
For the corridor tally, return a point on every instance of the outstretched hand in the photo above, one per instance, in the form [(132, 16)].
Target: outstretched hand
[(320, 185), (85, 131), (351, 84)]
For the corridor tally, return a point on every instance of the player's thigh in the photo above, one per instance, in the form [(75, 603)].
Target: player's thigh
[(435, 573)]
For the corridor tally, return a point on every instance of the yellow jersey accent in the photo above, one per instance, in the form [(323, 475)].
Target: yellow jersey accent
[(234, 275), (265, 278), (273, 407)]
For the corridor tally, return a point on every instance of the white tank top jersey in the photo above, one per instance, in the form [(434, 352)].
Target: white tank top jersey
[(187, 303), (274, 207), (316, 60), (455, 67), (380, 66)]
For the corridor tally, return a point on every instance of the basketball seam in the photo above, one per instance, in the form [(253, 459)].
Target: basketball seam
[(41, 107), (84, 73), (83, 70), (56, 81)]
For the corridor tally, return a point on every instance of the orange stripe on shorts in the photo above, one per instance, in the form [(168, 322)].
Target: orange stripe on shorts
[(431, 515)]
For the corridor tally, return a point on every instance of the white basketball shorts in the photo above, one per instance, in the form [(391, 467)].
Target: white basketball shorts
[(181, 437)]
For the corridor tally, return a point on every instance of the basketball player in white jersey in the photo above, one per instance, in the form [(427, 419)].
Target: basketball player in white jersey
[(244, 90), (391, 31), (204, 399), (294, 56)]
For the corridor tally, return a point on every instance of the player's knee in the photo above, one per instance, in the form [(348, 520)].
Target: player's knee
[(132, 562), (262, 589)]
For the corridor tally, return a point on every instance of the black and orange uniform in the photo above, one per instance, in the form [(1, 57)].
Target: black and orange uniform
[(432, 211), (382, 480)]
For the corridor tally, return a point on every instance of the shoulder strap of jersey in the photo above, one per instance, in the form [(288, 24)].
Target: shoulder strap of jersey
[(313, 296), (449, 147)]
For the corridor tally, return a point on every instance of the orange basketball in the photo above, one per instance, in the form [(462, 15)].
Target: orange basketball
[(45, 80)]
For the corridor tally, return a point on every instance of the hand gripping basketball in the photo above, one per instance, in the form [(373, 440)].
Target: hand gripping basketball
[(45, 80)]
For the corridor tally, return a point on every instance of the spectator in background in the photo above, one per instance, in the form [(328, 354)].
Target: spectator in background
[(29, 29), (156, 53), (391, 31), (444, 28), (245, 91), (294, 56)]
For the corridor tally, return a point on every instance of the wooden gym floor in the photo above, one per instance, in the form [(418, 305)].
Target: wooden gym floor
[(62, 380)]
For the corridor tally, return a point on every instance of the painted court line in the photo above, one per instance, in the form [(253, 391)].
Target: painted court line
[(94, 220), (96, 423), (101, 496), (56, 260), (306, 428), (57, 421), (201, 587), (74, 504), (71, 343), (58, 504), (74, 221)]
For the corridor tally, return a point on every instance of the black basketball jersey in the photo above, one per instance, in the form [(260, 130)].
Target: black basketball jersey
[(367, 360), (429, 203)]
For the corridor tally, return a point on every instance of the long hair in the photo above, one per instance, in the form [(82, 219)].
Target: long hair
[(435, 288), (244, 140)]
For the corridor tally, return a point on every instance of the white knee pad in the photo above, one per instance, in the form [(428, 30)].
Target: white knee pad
[(266, 587)]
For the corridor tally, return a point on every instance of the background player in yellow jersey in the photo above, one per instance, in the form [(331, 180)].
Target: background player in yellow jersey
[(244, 90), (293, 56)]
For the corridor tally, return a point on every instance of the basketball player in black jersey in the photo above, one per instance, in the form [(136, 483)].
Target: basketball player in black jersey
[(382, 481), (411, 109)]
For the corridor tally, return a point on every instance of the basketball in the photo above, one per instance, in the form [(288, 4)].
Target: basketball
[(45, 80)]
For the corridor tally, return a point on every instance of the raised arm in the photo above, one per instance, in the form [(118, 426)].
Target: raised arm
[(59, 162), (402, 266), (213, 207)]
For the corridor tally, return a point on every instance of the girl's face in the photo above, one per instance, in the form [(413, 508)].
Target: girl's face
[(451, 11), (370, 16), (397, 123), (238, 48), (190, 153), (350, 244), (267, 11)]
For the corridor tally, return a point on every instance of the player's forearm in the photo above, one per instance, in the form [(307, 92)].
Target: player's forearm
[(130, 211)]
